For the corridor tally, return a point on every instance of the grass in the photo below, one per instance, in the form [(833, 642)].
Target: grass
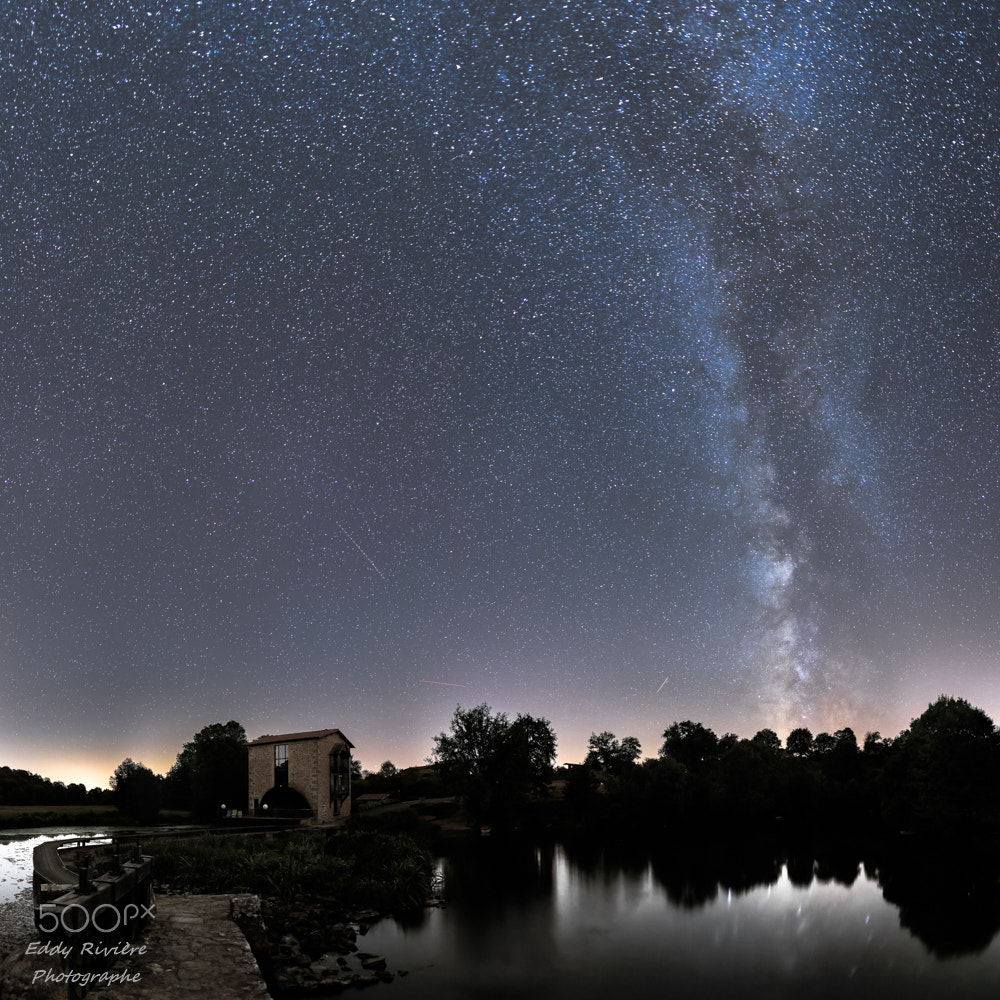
[(17, 816), (383, 871), (80, 815)]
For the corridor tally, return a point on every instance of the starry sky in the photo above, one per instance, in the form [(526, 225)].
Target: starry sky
[(621, 363)]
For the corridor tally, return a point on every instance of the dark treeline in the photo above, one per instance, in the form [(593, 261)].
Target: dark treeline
[(209, 772), (24, 788), (941, 775)]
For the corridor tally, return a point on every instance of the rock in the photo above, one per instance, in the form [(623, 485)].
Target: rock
[(372, 962), (314, 944), (245, 911), (245, 906), (16, 973)]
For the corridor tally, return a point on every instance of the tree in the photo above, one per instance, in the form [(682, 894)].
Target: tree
[(138, 792), (387, 770), (768, 739), (800, 742), (846, 740), (211, 770), (689, 743), (493, 762), (531, 748), (606, 753), (943, 773)]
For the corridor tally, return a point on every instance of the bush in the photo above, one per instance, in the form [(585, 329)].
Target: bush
[(360, 869)]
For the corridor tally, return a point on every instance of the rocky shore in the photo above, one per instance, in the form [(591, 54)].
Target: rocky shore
[(302, 948)]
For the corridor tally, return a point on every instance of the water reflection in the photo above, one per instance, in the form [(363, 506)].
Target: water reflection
[(577, 919), (16, 854), (951, 901)]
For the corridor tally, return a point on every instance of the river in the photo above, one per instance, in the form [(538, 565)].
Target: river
[(560, 922)]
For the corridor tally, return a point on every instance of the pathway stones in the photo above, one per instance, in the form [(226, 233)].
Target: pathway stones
[(193, 949)]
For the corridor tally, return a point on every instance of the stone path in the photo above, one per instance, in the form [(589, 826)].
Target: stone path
[(193, 949)]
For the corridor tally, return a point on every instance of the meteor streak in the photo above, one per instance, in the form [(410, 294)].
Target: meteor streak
[(445, 683), (361, 550), (660, 688)]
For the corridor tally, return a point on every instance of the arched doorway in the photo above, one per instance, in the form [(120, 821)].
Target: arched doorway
[(285, 803)]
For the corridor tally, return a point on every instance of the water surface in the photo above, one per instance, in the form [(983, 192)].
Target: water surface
[(558, 922)]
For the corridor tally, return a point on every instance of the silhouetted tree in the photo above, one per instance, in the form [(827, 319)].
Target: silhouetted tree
[(689, 743), (800, 742), (531, 748), (76, 793), (211, 771), (942, 773), (138, 792), (18, 787), (493, 762), (846, 740), (607, 753), (768, 739)]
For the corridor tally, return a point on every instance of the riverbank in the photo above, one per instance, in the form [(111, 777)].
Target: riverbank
[(307, 947), (316, 893), (16, 818)]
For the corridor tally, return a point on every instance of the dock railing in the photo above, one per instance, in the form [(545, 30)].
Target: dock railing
[(106, 897)]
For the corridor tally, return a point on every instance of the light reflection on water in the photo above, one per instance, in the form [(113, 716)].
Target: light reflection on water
[(554, 926), (16, 849)]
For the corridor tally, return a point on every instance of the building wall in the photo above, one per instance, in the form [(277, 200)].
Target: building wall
[(308, 773), (261, 768)]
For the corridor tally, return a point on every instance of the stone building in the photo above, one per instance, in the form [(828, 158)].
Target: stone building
[(301, 774)]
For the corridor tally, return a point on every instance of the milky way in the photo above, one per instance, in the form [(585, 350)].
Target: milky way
[(540, 350)]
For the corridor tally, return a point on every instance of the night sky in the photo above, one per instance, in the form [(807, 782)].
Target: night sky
[(623, 363)]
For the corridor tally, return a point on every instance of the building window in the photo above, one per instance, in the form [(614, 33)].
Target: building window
[(281, 765), (340, 776)]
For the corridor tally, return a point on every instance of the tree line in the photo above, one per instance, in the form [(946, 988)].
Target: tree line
[(941, 774), (25, 788), (210, 771)]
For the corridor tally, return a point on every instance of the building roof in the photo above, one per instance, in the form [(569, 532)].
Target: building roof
[(316, 734)]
